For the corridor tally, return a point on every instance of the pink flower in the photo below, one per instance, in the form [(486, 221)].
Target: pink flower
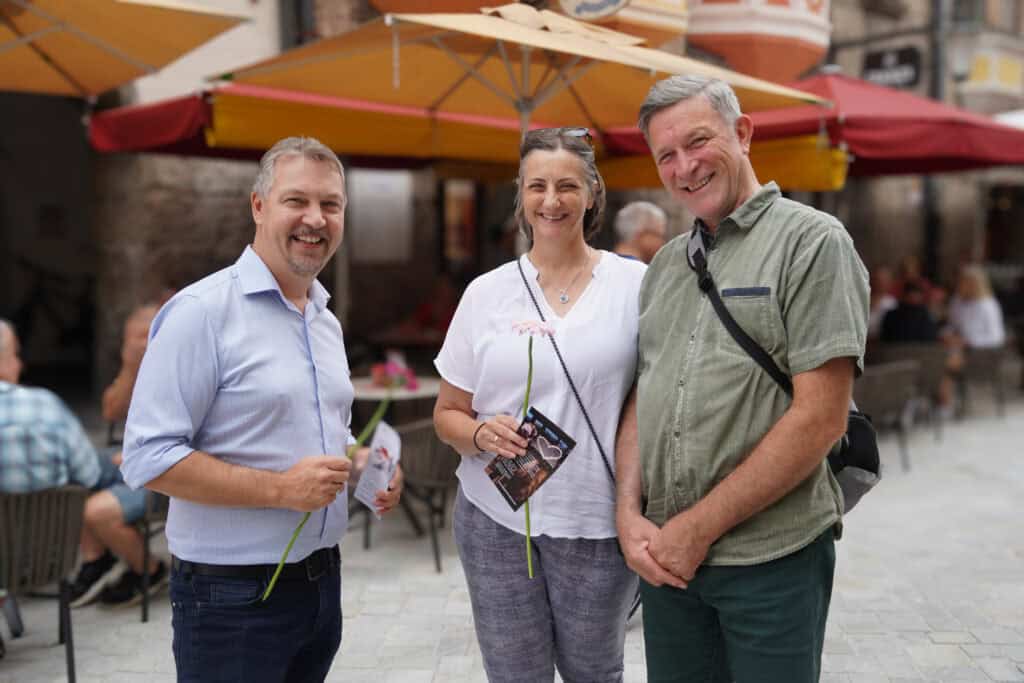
[(534, 328)]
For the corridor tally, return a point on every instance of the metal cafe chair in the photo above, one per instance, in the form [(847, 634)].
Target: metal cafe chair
[(39, 534)]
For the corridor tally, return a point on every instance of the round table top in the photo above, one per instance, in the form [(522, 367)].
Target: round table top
[(428, 387)]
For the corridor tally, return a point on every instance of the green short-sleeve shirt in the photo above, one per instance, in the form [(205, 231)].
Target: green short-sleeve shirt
[(791, 278)]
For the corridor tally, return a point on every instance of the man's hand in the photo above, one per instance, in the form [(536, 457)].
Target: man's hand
[(385, 501), (635, 535), (680, 547), (314, 482)]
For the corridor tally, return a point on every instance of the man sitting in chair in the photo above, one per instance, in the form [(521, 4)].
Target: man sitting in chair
[(111, 513), (42, 443)]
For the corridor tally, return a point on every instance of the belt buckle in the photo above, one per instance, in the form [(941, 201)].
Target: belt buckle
[(313, 573)]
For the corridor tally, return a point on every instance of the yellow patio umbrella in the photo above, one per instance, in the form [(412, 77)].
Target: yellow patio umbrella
[(513, 60), (805, 162), (82, 48)]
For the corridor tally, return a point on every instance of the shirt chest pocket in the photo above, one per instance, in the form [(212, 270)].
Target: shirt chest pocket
[(756, 312)]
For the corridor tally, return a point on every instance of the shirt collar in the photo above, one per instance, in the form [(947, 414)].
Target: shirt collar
[(745, 215), (749, 211), (255, 277)]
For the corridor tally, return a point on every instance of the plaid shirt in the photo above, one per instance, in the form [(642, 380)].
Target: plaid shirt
[(42, 443)]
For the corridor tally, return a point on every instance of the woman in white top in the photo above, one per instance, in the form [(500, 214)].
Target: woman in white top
[(572, 614), (974, 314)]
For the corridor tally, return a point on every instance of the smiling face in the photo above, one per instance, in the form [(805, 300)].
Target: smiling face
[(555, 194), (300, 222), (701, 160)]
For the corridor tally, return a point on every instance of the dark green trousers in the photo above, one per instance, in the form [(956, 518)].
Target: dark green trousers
[(762, 623)]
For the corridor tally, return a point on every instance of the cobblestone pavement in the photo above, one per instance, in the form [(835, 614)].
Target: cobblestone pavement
[(929, 587)]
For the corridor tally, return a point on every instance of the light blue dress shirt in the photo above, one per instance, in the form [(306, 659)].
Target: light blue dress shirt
[(235, 370)]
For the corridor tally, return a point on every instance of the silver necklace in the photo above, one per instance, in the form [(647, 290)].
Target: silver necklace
[(563, 293)]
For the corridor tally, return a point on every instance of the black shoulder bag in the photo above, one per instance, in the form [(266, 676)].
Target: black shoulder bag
[(854, 460)]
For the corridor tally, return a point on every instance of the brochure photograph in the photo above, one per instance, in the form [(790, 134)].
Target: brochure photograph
[(547, 447)]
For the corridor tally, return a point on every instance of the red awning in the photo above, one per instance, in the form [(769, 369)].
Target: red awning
[(888, 132)]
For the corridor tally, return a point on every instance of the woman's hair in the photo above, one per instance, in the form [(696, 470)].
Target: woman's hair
[(577, 142), (977, 276)]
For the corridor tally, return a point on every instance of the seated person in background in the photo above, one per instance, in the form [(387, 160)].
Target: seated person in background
[(882, 300), (975, 318), (910, 321), (640, 229), (42, 443), (108, 529)]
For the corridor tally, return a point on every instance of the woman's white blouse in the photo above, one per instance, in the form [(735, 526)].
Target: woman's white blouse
[(598, 339), (978, 321)]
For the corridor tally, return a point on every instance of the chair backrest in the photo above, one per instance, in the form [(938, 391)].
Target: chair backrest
[(884, 389), (931, 356), (425, 459), (39, 535), (984, 363)]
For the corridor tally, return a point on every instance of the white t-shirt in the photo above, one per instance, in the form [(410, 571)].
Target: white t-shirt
[(978, 321), (598, 337)]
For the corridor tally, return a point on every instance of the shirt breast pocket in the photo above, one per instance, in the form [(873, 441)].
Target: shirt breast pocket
[(756, 312)]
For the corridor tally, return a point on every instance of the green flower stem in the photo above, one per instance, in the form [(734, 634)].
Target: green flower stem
[(378, 414), (526, 405)]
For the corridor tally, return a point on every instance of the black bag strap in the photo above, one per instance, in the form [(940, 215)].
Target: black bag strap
[(696, 257), (565, 369)]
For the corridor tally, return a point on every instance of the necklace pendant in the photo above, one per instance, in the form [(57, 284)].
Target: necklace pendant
[(563, 297)]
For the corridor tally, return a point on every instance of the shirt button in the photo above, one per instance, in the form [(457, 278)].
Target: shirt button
[(676, 433)]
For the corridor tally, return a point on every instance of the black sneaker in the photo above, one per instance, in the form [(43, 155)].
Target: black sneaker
[(128, 590), (92, 578)]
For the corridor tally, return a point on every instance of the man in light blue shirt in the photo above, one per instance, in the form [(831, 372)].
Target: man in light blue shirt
[(240, 414)]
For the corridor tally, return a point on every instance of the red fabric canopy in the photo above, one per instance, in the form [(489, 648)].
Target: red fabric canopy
[(888, 132), (174, 126)]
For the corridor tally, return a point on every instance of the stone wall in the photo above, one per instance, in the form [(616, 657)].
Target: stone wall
[(161, 220)]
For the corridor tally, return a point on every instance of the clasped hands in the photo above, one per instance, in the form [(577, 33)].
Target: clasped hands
[(666, 556)]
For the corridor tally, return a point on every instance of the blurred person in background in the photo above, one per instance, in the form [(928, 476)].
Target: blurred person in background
[(882, 300), (640, 230), (975, 317)]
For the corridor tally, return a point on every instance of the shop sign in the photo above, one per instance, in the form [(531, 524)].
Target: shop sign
[(893, 68)]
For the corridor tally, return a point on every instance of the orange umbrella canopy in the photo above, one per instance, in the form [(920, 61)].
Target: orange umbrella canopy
[(81, 48), (513, 60)]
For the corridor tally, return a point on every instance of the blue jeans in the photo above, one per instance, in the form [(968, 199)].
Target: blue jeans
[(223, 632)]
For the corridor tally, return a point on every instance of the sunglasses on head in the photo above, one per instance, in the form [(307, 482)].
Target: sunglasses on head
[(569, 131)]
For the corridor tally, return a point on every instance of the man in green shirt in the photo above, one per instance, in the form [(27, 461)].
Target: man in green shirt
[(726, 506)]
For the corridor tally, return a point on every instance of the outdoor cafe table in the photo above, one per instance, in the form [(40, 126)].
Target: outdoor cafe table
[(406, 404)]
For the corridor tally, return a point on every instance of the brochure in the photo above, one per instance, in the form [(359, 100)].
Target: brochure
[(547, 448), (385, 452)]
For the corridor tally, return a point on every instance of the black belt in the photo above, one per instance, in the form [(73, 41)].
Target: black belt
[(309, 569)]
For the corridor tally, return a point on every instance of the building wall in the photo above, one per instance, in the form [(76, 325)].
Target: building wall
[(885, 215), (47, 260)]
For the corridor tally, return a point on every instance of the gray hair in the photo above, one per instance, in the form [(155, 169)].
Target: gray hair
[(569, 139), (675, 89), (310, 148), (5, 325), (639, 216)]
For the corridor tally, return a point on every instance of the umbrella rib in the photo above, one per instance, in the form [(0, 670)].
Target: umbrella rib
[(49, 61), (23, 39), (103, 45), (433, 106), (564, 81), (520, 90), (471, 71)]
